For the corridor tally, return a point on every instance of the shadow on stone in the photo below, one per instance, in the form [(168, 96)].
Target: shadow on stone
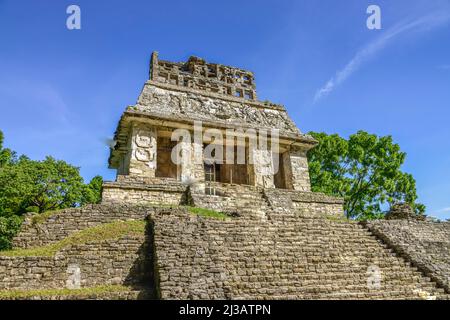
[(140, 276)]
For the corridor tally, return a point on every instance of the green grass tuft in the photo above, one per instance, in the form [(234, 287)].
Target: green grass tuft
[(42, 217), (194, 210), (18, 294), (113, 230), (337, 218), (207, 213)]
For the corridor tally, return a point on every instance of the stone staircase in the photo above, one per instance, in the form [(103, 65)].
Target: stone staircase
[(245, 201), (258, 203), (425, 243), (271, 248), (298, 258)]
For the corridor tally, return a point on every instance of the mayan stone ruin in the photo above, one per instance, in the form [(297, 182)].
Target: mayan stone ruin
[(195, 216)]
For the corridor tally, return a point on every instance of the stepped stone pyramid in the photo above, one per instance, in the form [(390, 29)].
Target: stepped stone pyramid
[(218, 218)]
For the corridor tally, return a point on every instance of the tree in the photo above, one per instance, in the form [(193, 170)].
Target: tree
[(9, 226), (40, 186), (365, 170), (92, 192), (6, 155)]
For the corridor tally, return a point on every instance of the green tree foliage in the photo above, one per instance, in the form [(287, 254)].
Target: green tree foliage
[(365, 170), (6, 155), (9, 226), (39, 186), (27, 185), (92, 192)]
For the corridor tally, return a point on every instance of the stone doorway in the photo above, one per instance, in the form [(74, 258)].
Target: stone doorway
[(279, 178)]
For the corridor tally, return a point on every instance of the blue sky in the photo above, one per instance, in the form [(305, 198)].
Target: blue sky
[(62, 92)]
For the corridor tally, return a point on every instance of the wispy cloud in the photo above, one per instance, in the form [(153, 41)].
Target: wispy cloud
[(443, 210), (444, 67), (424, 23)]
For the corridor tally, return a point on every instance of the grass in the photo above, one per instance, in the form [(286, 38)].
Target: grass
[(337, 218), (109, 231), (207, 213), (17, 294), (42, 217)]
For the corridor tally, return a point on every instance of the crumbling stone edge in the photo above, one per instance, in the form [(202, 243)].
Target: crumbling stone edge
[(404, 255)]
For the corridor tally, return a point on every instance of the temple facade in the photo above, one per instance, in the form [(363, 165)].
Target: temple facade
[(200, 125)]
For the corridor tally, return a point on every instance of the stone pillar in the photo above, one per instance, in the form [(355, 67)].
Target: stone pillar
[(191, 165), (263, 168), (299, 169), (198, 169), (142, 150)]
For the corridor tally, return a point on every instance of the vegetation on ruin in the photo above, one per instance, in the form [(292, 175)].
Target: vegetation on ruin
[(109, 231), (38, 186), (338, 219), (207, 213), (23, 294), (40, 218), (365, 170)]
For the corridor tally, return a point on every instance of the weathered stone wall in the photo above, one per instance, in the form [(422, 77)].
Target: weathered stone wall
[(120, 261), (298, 258), (306, 204), (299, 170), (317, 209), (198, 74), (141, 195), (62, 223), (143, 190), (119, 295), (259, 203), (426, 244)]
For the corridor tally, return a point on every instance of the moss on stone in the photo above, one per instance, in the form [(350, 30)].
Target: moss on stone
[(113, 230), (207, 213), (339, 219), (39, 218), (18, 294), (194, 210)]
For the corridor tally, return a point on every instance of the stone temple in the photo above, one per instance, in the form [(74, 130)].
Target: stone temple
[(212, 200), (222, 99)]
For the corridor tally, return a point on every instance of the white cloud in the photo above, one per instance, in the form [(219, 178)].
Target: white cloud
[(424, 23), (443, 210)]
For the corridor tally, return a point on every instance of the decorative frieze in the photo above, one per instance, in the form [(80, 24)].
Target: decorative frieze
[(142, 150)]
